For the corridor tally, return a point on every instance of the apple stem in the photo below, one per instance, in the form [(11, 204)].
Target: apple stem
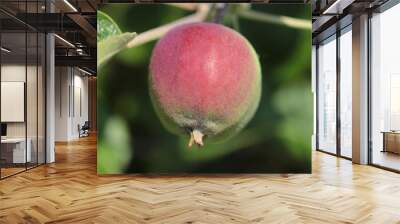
[(196, 137)]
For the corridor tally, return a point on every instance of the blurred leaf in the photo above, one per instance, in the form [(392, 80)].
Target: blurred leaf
[(298, 61), (111, 46), (136, 56), (106, 26), (115, 150), (295, 104)]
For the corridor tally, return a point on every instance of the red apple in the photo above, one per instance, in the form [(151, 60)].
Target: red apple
[(205, 81)]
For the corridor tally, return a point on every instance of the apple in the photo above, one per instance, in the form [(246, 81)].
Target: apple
[(205, 81)]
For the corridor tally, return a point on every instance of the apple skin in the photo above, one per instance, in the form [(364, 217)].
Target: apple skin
[(205, 81)]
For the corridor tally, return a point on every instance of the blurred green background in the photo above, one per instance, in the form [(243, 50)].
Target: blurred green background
[(131, 138)]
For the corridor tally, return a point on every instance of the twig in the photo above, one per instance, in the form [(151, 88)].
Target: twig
[(185, 6), (235, 23), (220, 11), (154, 34), (271, 18)]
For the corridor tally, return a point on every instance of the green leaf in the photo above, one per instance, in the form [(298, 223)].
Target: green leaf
[(115, 148), (106, 26), (111, 46)]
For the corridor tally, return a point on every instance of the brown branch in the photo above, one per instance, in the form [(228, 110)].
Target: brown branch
[(185, 6), (276, 19), (153, 34)]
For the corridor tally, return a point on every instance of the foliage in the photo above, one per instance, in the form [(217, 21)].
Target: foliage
[(110, 39)]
